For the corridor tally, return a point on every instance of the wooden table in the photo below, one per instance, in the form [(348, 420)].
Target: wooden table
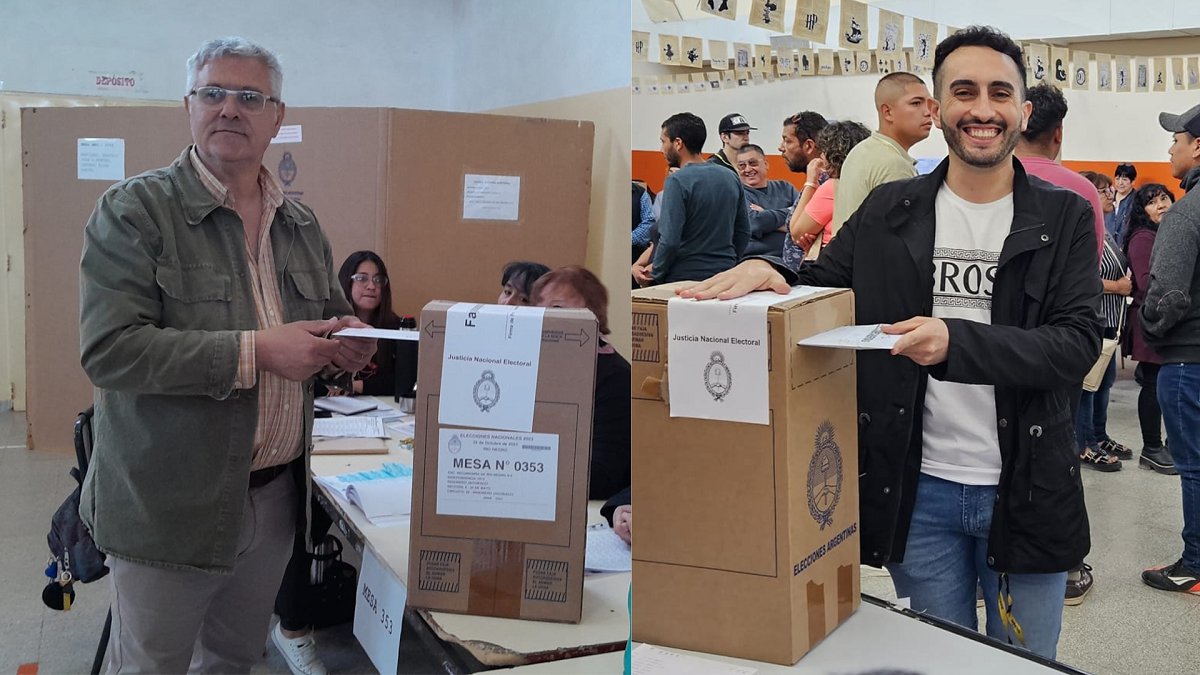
[(478, 642)]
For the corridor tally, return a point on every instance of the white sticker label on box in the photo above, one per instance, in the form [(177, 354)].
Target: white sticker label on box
[(717, 351), (490, 366), (101, 159), (289, 133), (491, 197), (494, 474)]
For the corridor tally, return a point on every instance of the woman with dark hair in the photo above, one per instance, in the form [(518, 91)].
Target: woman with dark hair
[(814, 212), (516, 282), (364, 279), (575, 286), (1150, 202)]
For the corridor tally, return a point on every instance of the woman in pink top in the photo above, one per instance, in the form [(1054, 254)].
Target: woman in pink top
[(814, 211)]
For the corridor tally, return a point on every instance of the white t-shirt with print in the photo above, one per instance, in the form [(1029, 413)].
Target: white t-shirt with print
[(960, 441)]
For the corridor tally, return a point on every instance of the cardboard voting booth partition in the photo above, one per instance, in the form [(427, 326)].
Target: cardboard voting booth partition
[(446, 199), (746, 467), (501, 460)]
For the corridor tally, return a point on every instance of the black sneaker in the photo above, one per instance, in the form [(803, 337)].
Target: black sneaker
[(1175, 577), (1116, 449), (1078, 588), (1157, 459)]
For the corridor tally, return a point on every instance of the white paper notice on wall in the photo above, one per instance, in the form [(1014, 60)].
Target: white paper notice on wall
[(497, 474), (491, 197), (289, 133), (490, 366), (101, 159), (378, 613), (717, 351)]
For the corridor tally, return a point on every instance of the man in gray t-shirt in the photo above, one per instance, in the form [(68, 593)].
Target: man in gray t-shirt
[(770, 202), (705, 225)]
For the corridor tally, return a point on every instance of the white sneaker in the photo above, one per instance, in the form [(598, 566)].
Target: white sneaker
[(300, 653)]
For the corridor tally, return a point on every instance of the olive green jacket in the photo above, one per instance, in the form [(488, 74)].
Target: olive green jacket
[(164, 295)]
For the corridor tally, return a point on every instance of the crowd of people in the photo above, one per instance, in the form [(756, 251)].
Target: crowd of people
[(1037, 272)]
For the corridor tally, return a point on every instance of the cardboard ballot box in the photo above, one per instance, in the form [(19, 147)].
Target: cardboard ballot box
[(747, 541), (501, 461)]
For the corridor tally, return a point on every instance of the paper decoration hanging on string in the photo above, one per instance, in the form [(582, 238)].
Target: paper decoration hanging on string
[(854, 26), (743, 78), (743, 55), (1159, 75), (769, 77), (1039, 65), (1081, 70), (846, 60), (812, 21), (951, 30), (1104, 72), (637, 86), (718, 54), (767, 14), (683, 83), (699, 83), (714, 79), (668, 50), (1060, 66), (729, 79), (726, 9), (807, 62), (1141, 75), (1122, 78), (891, 33), (1025, 46), (641, 46), (862, 62), (795, 62), (883, 63), (762, 58), (757, 76), (900, 64), (1193, 73), (783, 65), (826, 61), (924, 42), (650, 84), (693, 51), (666, 84), (1178, 83)]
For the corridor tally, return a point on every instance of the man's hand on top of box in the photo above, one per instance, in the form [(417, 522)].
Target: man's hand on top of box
[(751, 275), (925, 340), (295, 351)]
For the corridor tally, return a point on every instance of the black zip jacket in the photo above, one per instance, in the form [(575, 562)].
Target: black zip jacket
[(1044, 338)]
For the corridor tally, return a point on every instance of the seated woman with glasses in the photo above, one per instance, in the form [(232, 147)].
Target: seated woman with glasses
[(575, 286), (364, 280)]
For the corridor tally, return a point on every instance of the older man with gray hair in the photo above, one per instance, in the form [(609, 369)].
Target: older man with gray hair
[(207, 299)]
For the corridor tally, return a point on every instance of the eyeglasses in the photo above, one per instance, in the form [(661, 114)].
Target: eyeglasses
[(378, 279), (252, 102)]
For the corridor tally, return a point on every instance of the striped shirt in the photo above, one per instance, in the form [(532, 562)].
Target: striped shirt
[(279, 435), (1112, 268)]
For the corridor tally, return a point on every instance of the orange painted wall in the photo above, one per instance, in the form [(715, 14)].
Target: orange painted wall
[(651, 167)]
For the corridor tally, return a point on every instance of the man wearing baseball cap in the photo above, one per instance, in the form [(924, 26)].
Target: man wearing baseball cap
[(735, 132), (1171, 319)]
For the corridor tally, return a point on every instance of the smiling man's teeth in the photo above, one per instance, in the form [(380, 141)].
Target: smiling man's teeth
[(982, 133)]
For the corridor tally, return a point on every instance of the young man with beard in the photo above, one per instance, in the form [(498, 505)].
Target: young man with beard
[(990, 357), (902, 101), (800, 150), (1171, 319), (734, 131), (705, 223), (770, 202)]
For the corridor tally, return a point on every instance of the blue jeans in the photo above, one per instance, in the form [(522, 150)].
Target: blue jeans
[(947, 554), (1091, 423), (1179, 396)]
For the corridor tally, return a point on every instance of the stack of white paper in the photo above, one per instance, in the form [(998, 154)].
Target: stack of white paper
[(349, 427), (606, 552), (344, 405), (385, 502)]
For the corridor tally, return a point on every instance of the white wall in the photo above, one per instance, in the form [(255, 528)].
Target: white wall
[(458, 55)]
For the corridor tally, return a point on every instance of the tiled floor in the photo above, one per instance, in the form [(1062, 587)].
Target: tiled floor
[(1123, 628)]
